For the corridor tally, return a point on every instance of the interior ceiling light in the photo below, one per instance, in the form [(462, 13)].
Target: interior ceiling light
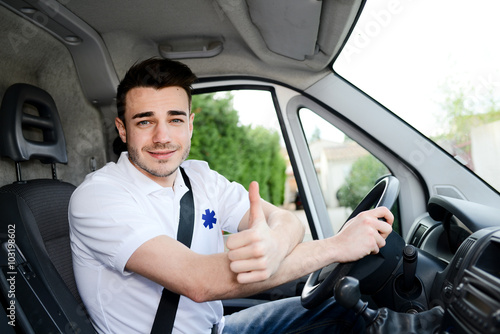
[(28, 10), (200, 48)]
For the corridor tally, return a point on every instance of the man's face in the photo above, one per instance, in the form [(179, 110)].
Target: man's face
[(158, 129)]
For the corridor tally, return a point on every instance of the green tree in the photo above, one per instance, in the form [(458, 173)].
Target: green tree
[(365, 171), (240, 153), (466, 109)]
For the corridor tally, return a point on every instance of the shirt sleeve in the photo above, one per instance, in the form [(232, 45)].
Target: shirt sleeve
[(108, 223)]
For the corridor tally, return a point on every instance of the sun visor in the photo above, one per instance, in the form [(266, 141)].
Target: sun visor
[(289, 27), (303, 34)]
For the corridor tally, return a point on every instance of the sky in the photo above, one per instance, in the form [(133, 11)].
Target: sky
[(409, 53), (254, 107)]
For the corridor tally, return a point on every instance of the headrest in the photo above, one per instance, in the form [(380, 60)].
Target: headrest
[(13, 118)]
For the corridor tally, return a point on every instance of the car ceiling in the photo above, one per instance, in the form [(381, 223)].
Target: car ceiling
[(291, 41)]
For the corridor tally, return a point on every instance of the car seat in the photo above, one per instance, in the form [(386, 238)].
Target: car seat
[(38, 287)]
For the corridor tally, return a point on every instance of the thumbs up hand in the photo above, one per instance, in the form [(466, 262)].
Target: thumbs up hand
[(254, 253)]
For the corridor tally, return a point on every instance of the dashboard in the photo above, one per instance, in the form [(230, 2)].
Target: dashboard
[(465, 237), (471, 286)]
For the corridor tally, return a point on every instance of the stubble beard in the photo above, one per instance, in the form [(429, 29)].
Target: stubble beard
[(135, 158)]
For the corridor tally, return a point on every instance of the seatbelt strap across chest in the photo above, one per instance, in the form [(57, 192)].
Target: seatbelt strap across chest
[(165, 315)]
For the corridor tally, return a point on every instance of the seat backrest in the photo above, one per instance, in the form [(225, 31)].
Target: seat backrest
[(37, 273)]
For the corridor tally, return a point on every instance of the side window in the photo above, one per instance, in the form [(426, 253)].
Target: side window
[(346, 171)]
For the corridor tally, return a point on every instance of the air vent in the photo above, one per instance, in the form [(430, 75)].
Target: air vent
[(417, 237)]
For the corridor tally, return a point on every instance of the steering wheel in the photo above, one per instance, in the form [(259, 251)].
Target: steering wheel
[(373, 270)]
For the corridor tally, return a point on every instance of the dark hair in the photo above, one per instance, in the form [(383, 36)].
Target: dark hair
[(155, 73)]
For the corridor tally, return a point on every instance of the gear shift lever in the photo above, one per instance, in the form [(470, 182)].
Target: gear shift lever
[(410, 257), (348, 295), (384, 320)]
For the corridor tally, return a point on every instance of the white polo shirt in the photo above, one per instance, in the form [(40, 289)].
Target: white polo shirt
[(114, 211)]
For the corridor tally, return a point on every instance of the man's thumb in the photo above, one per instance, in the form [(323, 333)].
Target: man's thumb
[(256, 212)]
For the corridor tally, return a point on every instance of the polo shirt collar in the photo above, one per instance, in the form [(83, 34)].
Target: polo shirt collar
[(143, 183)]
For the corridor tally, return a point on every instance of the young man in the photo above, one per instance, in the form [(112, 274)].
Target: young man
[(124, 220)]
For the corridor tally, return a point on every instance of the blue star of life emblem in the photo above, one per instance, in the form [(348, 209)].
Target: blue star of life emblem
[(209, 218)]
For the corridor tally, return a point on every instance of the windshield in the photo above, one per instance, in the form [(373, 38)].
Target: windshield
[(436, 64)]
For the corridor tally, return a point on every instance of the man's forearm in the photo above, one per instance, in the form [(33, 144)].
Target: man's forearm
[(305, 258), (288, 229)]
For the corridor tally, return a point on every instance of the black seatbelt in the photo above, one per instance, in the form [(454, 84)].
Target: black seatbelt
[(165, 315)]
